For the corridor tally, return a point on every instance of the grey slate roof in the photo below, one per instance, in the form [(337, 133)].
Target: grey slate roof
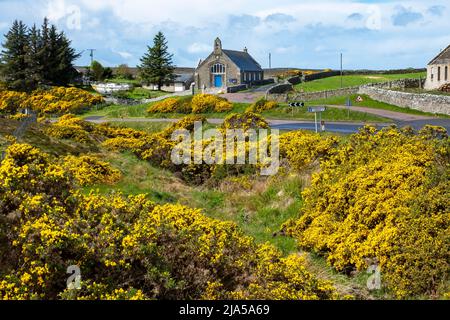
[(443, 57), (184, 77), (243, 60)]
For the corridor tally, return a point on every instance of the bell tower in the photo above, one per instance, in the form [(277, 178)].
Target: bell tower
[(217, 46)]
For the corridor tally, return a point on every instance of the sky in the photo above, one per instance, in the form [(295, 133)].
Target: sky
[(370, 34)]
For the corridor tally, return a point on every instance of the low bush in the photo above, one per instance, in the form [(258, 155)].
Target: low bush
[(382, 196), (262, 105), (201, 103), (128, 247)]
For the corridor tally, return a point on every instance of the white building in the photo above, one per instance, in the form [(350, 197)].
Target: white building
[(438, 71), (181, 83)]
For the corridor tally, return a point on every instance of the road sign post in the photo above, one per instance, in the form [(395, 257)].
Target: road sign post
[(295, 104), (317, 110)]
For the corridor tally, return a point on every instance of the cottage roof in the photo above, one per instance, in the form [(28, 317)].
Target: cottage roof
[(184, 77), (243, 60), (442, 58)]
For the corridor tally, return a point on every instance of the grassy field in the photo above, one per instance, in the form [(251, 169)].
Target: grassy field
[(282, 112), (369, 103), (422, 91), (353, 80), (141, 93), (331, 114)]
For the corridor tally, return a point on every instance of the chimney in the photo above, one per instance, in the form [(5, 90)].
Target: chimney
[(245, 49)]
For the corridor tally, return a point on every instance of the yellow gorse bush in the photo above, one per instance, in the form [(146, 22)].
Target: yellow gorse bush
[(127, 247), (303, 148), (383, 196), (200, 103), (89, 170), (262, 105), (203, 103), (70, 127), (57, 100)]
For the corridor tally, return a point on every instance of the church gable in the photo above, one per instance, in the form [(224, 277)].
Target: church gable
[(224, 68), (442, 58)]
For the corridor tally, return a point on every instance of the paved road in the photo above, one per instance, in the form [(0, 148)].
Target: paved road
[(338, 127), (398, 116)]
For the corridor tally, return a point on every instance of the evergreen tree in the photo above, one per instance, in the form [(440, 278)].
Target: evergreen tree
[(35, 57), (66, 55), (33, 60), (156, 65), (14, 57)]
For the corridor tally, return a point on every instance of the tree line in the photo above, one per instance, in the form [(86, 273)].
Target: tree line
[(37, 56), (34, 57)]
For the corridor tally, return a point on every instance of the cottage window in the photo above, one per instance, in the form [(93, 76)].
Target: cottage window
[(439, 73), (446, 73)]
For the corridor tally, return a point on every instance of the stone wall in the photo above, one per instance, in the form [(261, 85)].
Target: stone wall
[(234, 89), (317, 95), (309, 96), (280, 89), (423, 102), (321, 75)]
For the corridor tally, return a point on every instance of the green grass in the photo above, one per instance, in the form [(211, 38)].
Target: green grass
[(138, 177), (118, 111), (283, 112), (259, 212), (141, 93), (369, 103), (333, 83), (331, 114), (422, 91)]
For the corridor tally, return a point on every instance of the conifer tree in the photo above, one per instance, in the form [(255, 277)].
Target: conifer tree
[(156, 65), (33, 59), (13, 57)]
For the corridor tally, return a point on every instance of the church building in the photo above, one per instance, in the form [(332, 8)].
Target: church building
[(226, 68), (438, 73)]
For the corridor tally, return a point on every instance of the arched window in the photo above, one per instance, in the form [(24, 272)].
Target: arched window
[(218, 68)]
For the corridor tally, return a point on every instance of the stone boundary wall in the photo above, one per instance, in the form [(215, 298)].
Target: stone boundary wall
[(280, 89), (321, 75), (237, 88), (294, 80), (308, 96), (317, 95), (423, 102)]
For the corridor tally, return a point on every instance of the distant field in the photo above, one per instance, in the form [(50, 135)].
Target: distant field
[(369, 103), (353, 80)]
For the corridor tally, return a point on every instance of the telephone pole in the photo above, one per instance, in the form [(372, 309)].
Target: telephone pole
[(342, 72), (92, 54)]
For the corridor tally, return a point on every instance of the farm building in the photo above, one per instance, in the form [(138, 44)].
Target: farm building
[(225, 68), (181, 83), (438, 71)]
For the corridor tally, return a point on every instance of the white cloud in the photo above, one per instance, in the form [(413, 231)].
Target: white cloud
[(199, 48), (124, 54)]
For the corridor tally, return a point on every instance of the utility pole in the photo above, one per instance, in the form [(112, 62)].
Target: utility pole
[(92, 54), (342, 72)]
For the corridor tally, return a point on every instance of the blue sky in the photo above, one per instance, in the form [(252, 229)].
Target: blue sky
[(305, 34)]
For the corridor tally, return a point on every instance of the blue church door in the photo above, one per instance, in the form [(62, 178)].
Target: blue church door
[(218, 81)]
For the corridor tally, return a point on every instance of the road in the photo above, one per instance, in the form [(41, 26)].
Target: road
[(291, 125)]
